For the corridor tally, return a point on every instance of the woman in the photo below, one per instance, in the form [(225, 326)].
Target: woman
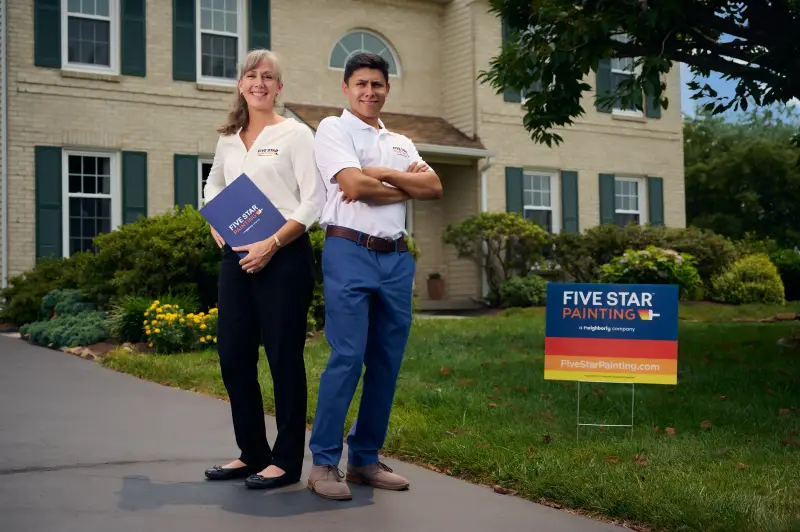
[(265, 296)]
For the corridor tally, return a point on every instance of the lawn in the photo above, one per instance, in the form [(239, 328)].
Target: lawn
[(719, 451)]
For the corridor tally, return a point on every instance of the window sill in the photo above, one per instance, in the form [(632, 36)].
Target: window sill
[(97, 76), (213, 87), (629, 117)]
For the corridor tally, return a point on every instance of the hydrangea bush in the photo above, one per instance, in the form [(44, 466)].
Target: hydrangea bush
[(654, 265)]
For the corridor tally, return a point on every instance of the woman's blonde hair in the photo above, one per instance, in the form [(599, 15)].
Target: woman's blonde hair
[(239, 116)]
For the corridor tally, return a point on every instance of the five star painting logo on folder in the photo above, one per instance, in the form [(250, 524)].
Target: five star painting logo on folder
[(612, 333), (242, 214)]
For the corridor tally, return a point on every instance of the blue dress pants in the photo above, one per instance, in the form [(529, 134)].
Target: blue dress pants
[(367, 322)]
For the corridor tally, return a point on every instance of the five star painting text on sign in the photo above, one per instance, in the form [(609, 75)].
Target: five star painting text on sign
[(612, 333)]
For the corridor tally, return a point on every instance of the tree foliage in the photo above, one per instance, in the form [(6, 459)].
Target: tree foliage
[(559, 42), (742, 178)]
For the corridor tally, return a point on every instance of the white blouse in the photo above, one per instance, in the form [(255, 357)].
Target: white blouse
[(280, 162)]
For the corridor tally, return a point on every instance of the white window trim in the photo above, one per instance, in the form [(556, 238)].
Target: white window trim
[(555, 196), (377, 36), (241, 27), (200, 162), (113, 37), (116, 191), (642, 211), (636, 70)]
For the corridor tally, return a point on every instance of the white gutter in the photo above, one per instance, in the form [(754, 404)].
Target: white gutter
[(439, 149), (4, 143), (484, 207)]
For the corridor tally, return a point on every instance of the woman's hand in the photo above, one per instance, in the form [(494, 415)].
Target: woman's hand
[(218, 239), (258, 255)]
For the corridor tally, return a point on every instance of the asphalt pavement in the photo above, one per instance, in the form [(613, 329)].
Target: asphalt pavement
[(87, 449)]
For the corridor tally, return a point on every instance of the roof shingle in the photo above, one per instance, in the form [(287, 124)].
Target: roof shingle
[(420, 129)]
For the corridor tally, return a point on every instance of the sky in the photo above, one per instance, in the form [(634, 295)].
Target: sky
[(722, 86)]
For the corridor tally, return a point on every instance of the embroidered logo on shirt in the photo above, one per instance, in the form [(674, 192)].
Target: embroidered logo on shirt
[(268, 152), (400, 151)]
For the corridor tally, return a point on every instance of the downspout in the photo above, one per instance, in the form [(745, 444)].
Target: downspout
[(4, 144), (484, 208)]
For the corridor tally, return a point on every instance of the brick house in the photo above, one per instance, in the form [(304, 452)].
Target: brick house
[(112, 104)]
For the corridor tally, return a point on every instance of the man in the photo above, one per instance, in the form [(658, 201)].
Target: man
[(369, 173)]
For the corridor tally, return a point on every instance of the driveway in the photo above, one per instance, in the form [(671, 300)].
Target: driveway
[(86, 449)]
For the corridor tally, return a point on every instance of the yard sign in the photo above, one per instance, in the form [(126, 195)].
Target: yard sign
[(612, 333)]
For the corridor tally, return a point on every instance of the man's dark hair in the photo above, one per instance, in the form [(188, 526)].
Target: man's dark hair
[(366, 60)]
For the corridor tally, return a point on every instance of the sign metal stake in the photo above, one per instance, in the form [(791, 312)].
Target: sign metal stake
[(578, 423)]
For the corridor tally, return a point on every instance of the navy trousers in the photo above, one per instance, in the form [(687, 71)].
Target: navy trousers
[(367, 322), (270, 308)]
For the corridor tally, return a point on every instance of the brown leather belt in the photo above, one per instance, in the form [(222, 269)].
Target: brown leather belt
[(370, 242)]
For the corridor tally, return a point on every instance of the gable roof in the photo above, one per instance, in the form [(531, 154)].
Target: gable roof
[(426, 130)]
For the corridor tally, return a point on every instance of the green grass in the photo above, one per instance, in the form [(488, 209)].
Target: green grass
[(472, 402)]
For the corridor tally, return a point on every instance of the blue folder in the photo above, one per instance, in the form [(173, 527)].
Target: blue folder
[(242, 214)]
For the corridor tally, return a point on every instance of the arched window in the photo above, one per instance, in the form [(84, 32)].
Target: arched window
[(362, 41)]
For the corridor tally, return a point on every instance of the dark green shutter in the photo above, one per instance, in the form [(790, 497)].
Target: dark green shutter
[(186, 180), (184, 41), (514, 188), (603, 84), (260, 34), (47, 33), (569, 202), (509, 94), (607, 199), (134, 38), (134, 185), (655, 197), (652, 107), (49, 190)]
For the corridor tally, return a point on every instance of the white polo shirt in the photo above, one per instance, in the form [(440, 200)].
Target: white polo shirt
[(281, 164), (346, 141)]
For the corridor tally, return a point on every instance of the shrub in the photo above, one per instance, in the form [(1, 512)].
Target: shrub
[(654, 266), (530, 291), (169, 329), (70, 320), (503, 245), (752, 279), (171, 253), (125, 316), (582, 255), (71, 330), (22, 298), (788, 263), (65, 301), (751, 244)]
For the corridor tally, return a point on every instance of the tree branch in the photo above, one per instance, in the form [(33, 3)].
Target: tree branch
[(728, 67)]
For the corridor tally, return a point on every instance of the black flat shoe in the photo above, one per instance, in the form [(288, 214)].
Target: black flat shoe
[(257, 482), (221, 473)]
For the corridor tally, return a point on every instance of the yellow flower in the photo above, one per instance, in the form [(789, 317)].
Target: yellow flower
[(156, 302), (182, 320), (146, 313), (203, 326), (208, 337), (202, 340), (150, 345), (215, 339), (157, 331), (153, 322)]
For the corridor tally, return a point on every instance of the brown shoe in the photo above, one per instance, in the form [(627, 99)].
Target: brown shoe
[(378, 476), (328, 482)]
